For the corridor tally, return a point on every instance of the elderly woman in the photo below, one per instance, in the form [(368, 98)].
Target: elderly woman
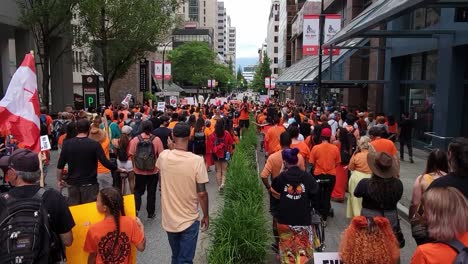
[(359, 170), (446, 214), (297, 190)]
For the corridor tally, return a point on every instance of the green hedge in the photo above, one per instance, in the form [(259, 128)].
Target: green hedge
[(240, 232)]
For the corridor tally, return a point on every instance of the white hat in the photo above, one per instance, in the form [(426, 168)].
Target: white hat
[(127, 130)]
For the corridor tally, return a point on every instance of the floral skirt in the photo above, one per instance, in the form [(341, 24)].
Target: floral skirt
[(295, 244)]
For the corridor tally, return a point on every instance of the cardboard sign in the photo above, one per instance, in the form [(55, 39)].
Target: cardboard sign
[(45, 143), (173, 101), (161, 106), (86, 215), (126, 101), (327, 258)]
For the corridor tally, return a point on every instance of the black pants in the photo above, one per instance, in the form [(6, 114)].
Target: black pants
[(81, 194), (408, 142), (326, 184), (148, 183)]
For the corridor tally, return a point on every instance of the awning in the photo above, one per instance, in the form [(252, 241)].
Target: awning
[(383, 11), (168, 86), (306, 70)]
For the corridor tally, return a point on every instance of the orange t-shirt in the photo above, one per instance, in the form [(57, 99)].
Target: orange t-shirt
[(272, 139), (303, 149), (325, 157), (61, 139), (208, 131), (105, 145), (274, 164), (172, 124), (384, 145), (435, 253), (244, 115), (392, 129), (100, 236), (359, 163)]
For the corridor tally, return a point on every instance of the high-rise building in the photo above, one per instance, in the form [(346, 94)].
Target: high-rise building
[(231, 44), (287, 11), (272, 36), (221, 31)]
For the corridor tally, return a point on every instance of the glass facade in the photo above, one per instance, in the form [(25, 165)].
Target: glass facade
[(194, 10), (425, 17)]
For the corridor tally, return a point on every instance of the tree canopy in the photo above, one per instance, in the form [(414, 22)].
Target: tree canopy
[(118, 33), (263, 70)]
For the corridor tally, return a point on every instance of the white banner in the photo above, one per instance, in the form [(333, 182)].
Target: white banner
[(332, 26), (273, 83), (267, 83), (161, 106), (310, 44), (167, 70), (158, 70), (327, 258)]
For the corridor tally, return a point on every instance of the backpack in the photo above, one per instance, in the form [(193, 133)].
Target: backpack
[(43, 125), (462, 251), (145, 158), (199, 144), (122, 155), (352, 140), (220, 148), (25, 235), (317, 133)]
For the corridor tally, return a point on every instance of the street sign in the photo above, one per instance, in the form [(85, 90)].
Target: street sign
[(90, 100), (90, 85)]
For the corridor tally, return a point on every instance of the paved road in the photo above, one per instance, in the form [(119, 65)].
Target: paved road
[(157, 246)]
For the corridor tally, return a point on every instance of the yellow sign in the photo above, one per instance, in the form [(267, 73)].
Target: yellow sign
[(84, 216)]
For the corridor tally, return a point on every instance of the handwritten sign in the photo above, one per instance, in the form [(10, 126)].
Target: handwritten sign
[(327, 258), (45, 143), (161, 106)]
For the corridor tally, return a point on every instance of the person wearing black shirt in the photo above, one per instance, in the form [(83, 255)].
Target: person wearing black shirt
[(23, 174), (82, 155), (163, 133), (155, 119), (458, 162), (297, 192), (405, 134)]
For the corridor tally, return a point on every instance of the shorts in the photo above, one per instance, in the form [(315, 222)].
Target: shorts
[(125, 165), (105, 180), (244, 123)]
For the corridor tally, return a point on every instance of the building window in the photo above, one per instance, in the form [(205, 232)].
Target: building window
[(276, 39), (461, 14), (425, 17), (275, 60), (275, 70), (276, 49), (276, 17), (276, 28)]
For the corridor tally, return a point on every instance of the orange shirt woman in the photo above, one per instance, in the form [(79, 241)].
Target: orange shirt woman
[(272, 139)]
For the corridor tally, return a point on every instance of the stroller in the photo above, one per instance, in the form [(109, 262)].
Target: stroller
[(318, 222)]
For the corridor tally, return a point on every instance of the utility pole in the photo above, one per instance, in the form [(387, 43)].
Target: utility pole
[(321, 38)]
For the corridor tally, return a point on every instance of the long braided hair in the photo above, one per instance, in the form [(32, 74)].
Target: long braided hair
[(112, 198)]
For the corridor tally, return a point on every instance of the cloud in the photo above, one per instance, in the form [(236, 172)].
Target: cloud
[(250, 17)]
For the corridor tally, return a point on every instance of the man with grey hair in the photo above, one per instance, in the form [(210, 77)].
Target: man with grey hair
[(22, 172)]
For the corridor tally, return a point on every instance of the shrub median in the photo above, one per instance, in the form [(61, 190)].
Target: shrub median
[(240, 233)]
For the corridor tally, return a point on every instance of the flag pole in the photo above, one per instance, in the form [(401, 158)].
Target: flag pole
[(41, 153)]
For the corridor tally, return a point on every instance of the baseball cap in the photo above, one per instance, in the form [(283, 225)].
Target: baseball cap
[(326, 132), (21, 160), (181, 130)]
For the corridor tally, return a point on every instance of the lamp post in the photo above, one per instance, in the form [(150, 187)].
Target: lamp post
[(321, 37)]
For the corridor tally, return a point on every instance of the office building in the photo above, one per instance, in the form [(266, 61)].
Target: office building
[(231, 44), (248, 72), (272, 36), (221, 30)]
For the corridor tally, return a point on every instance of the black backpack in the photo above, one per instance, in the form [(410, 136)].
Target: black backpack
[(43, 125), (462, 251), (25, 235), (199, 143), (145, 158)]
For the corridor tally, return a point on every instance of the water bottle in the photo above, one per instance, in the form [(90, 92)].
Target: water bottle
[(228, 156)]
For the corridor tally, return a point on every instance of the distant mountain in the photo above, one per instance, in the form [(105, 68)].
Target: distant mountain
[(246, 61)]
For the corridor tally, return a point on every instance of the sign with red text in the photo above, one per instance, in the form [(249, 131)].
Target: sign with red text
[(310, 44), (267, 82), (158, 70), (273, 83), (332, 26), (167, 70)]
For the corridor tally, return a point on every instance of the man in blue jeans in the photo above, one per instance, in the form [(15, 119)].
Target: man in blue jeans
[(183, 179)]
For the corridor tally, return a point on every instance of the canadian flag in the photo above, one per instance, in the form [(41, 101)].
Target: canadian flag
[(19, 109)]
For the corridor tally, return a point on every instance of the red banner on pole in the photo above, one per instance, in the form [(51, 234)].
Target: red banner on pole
[(167, 70), (310, 44), (158, 70), (332, 26)]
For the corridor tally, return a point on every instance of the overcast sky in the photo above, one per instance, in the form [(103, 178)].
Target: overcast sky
[(250, 17)]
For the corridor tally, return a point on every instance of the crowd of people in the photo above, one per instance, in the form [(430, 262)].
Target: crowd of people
[(313, 157)]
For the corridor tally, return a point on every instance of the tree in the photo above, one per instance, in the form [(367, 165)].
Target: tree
[(193, 63), (119, 33), (262, 71), (48, 20)]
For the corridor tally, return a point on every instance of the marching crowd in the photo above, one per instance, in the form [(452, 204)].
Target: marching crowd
[(314, 156)]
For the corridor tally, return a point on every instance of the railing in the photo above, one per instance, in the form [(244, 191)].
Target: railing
[(433, 135)]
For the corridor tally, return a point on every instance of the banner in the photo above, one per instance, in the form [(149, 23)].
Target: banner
[(85, 215), (158, 70), (211, 83), (327, 258), (332, 26), (273, 83), (161, 106), (267, 82), (126, 101), (311, 29), (167, 70)]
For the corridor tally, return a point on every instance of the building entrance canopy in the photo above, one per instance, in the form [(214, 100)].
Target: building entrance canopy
[(383, 11), (306, 70)]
